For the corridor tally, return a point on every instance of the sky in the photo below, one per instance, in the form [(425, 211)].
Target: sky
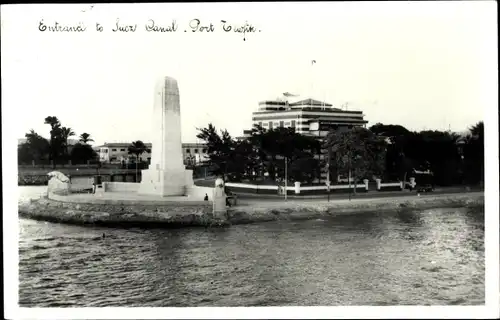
[(423, 65)]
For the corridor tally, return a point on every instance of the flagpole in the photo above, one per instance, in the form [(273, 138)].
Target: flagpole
[(312, 78)]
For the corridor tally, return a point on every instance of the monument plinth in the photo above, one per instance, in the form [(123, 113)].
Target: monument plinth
[(166, 175)]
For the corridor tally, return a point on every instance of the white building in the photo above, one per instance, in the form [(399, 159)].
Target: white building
[(308, 116), (116, 152)]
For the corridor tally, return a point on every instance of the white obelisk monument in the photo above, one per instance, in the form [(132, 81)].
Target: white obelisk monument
[(167, 175)]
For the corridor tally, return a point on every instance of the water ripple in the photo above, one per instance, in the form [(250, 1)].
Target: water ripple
[(433, 257)]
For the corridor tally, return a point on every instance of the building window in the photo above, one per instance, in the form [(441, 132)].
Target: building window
[(188, 151), (270, 125), (204, 151), (195, 150), (282, 124), (293, 123), (113, 149), (260, 123), (122, 149)]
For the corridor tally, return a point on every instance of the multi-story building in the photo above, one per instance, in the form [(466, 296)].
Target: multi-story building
[(116, 152), (308, 117), (194, 153)]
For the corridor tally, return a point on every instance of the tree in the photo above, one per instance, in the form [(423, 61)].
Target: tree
[(38, 145), (477, 130), (357, 151), (85, 138), (57, 141), (267, 145), (65, 134), (52, 121), (219, 148), (274, 146), (35, 148), (389, 130), (436, 150), (24, 154), (474, 154), (242, 161), (137, 148), (396, 162), (304, 169), (81, 153), (265, 150)]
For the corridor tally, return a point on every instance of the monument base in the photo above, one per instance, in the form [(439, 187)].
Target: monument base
[(219, 200), (165, 183)]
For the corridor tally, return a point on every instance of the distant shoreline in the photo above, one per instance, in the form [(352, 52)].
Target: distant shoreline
[(176, 214)]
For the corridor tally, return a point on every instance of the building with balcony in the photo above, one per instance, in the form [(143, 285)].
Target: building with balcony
[(117, 152), (309, 117)]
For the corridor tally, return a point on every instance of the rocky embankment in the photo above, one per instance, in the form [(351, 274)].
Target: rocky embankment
[(179, 214)]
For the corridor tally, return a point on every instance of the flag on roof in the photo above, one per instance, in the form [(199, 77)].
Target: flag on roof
[(288, 94)]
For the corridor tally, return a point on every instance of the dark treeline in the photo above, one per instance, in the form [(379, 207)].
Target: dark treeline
[(390, 152), (264, 152), (55, 150), (453, 158)]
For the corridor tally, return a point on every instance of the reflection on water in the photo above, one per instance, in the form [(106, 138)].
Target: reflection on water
[(432, 257)]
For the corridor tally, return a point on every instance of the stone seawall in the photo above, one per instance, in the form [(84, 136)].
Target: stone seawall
[(178, 214), (307, 211), (171, 214)]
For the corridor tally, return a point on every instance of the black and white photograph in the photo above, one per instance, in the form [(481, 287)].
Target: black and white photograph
[(250, 160)]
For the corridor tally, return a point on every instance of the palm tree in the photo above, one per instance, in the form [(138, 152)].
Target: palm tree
[(52, 121), (85, 137), (137, 148), (477, 130), (55, 138), (65, 134)]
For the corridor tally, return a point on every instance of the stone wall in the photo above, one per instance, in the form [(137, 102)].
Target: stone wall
[(305, 211), (171, 214), (196, 192), (174, 214), (120, 186)]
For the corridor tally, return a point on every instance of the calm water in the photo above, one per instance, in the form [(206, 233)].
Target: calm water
[(433, 257)]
